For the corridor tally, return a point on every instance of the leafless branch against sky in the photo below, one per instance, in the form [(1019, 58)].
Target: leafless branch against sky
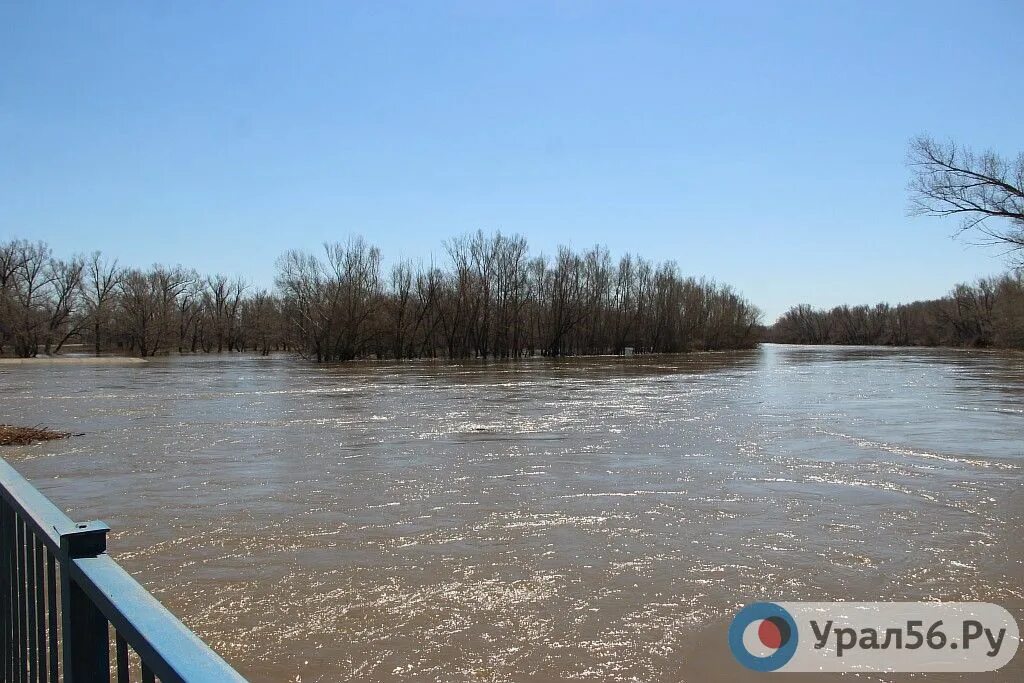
[(984, 191)]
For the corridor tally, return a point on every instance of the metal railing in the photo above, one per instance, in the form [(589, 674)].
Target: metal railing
[(61, 595)]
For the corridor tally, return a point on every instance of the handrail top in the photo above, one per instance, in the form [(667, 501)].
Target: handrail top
[(46, 519), (169, 648)]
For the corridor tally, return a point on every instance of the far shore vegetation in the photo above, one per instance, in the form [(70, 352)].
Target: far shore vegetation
[(492, 298), (986, 314)]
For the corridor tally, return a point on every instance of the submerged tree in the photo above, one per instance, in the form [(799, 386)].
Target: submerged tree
[(149, 307)]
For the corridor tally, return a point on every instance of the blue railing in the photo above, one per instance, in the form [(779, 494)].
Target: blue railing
[(61, 595)]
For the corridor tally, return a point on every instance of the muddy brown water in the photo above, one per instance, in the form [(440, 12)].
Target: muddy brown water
[(579, 519)]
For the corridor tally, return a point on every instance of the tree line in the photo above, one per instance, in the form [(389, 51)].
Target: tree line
[(490, 299), (987, 313)]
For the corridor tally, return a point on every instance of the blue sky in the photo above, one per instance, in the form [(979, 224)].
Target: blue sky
[(758, 143)]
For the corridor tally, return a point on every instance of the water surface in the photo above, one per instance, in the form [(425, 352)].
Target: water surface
[(579, 519)]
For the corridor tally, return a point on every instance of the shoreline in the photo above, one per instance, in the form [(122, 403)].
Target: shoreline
[(135, 360), (73, 360)]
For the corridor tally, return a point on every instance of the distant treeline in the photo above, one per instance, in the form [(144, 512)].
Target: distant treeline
[(491, 299), (989, 313)]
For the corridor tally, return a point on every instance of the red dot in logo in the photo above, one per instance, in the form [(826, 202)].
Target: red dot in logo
[(769, 634)]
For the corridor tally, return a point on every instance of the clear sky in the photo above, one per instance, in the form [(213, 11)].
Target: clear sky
[(759, 143)]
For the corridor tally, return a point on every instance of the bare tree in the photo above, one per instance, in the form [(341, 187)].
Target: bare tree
[(149, 303), (30, 283), (260, 321), (400, 308), (985, 191), (429, 294), (458, 309), (355, 286), (305, 303), (12, 255), (222, 301), (191, 314), (102, 277), (66, 280)]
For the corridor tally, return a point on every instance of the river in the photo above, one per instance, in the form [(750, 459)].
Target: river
[(574, 519)]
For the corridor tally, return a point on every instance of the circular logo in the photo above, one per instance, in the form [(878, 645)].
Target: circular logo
[(762, 636)]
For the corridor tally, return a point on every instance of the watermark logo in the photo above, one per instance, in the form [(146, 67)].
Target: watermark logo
[(873, 636), (763, 636)]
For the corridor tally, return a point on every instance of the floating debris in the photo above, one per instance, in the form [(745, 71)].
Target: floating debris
[(23, 436)]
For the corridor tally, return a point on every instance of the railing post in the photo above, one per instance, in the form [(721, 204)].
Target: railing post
[(6, 601), (84, 628)]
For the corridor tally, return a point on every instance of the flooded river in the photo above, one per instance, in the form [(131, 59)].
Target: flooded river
[(579, 519)]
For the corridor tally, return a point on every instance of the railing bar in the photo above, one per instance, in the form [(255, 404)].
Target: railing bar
[(12, 558), (5, 593), (12, 595), (51, 600), (122, 658), (23, 641), (30, 596), (147, 674), (11, 552), (40, 613), (22, 607)]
